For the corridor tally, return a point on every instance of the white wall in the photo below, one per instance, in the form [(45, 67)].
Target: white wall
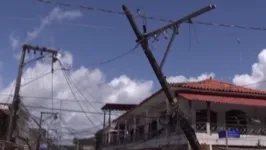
[(88, 147), (157, 104), (245, 140)]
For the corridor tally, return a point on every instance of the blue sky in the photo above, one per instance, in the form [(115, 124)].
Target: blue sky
[(216, 49), (213, 49)]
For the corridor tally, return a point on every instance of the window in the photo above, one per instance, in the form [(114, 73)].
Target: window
[(201, 120), (236, 119)]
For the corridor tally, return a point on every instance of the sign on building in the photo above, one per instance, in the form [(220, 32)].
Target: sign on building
[(229, 134)]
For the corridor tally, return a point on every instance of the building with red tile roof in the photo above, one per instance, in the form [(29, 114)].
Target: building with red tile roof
[(211, 106)]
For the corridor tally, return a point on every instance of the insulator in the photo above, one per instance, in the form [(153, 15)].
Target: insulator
[(165, 34), (156, 37), (138, 11), (34, 52), (55, 116), (41, 53)]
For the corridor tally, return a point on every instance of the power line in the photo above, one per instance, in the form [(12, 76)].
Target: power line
[(149, 17), (48, 98), (63, 23), (67, 80), (73, 100), (37, 78), (84, 97), (230, 25), (115, 57), (67, 110)]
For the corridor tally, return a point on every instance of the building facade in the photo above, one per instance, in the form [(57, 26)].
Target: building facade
[(211, 106), (22, 129), (85, 143)]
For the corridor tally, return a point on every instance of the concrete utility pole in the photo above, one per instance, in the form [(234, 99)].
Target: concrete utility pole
[(16, 99), (143, 39), (40, 126), (76, 143)]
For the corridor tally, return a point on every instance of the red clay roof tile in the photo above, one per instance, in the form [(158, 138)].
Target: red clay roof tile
[(216, 85), (207, 85)]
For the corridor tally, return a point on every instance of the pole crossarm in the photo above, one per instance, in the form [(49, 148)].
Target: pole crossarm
[(40, 49), (184, 19)]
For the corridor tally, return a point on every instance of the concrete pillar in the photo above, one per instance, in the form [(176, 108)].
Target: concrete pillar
[(118, 132), (109, 118), (146, 126), (208, 126), (134, 128), (158, 124), (188, 146), (126, 133), (126, 129), (193, 115), (109, 137), (103, 138), (210, 147), (104, 115)]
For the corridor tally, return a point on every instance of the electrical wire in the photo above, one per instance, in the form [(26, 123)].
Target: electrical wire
[(97, 118), (37, 78), (83, 96), (194, 27), (63, 23), (48, 98), (11, 91), (74, 83), (71, 130), (67, 80), (115, 57), (148, 17), (52, 89)]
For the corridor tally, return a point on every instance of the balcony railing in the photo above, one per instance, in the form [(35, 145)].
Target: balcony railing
[(250, 129), (126, 139)]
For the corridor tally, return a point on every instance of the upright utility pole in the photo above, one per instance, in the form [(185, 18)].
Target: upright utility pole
[(143, 39), (16, 99), (40, 127)]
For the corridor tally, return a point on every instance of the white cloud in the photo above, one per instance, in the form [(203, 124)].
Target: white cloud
[(55, 15), (180, 78), (91, 83), (14, 41), (258, 73)]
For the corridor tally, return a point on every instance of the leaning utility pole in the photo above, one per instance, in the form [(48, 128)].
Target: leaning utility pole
[(16, 99), (143, 40)]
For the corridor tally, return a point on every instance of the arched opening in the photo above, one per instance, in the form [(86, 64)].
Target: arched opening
[(236, 119), (201, 120)]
